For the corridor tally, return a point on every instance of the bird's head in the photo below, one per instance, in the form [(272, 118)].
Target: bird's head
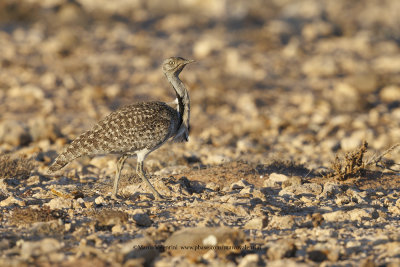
[(174, 65)]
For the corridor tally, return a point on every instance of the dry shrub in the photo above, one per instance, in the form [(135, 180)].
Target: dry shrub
[(18, 167), (29, 215), (351, 166)]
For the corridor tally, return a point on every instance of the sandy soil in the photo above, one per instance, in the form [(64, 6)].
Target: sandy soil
[(279, 90)]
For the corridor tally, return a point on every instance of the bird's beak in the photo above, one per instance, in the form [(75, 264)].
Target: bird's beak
[(188, 61)]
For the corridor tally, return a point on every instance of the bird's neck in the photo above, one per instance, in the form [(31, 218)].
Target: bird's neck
[(183, 104)]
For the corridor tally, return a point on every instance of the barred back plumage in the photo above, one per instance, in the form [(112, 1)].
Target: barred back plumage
[(135, 129)]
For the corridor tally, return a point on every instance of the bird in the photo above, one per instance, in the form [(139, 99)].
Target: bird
[(136, 129)]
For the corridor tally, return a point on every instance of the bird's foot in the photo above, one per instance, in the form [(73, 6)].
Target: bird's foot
[(115, 197)]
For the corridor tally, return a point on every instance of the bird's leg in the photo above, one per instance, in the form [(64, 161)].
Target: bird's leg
[(139, 171), (120, 163)]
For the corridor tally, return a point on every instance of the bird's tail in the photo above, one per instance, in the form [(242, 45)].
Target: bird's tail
[(62, 160), (73, 151)]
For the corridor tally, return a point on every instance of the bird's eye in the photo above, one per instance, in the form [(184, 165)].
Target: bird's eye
[(172, 63)]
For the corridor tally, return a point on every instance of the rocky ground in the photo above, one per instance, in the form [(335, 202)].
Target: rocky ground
[(276, 172)]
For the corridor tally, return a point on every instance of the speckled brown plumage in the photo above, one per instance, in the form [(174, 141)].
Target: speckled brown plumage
[(125, 131), (135, 129)]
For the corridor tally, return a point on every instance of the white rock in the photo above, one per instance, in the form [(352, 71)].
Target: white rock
[(240, 185), (141, 247), (330, 190), (12, 200), (256, 223), (99, 200), (250, 260), (38, 248), (320, 66), (351, 215), (280, 249), (59, 203), (275, 179), (206, 45), (308, 188), (390, 93), (281, 222), (387, 64), (14, 133)]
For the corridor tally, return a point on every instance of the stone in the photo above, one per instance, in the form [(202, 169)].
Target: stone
[(240, 185), (275, 179), (14, 133), (357, 196), (250, 260), (59, 203), (140, 248), (317, 255), (365, 83), (206, 45), (320, 66), (345, 97), (317, 219), (330, 190), (386, 64), (12, 201), (99, 200), (195, 242), (281, 222), (357, 214), (106, 219), (390, 93), (342, 200), (256, 223), (213, 186), (38, 248), (304, 189), (281, 249), (142, 219), (40, 129), (292, 181)]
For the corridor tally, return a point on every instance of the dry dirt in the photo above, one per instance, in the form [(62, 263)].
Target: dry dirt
[(283, 95)]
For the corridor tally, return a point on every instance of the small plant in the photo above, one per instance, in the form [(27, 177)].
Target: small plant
[(18, 167), (352, 166), (29, 215)]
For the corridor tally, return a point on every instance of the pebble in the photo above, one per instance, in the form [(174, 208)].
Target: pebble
[(296, 190), (99, 200), (142, 219), (202, 238), (14, 133), (357, 214), (256, 223), (59, 203), (281, 249), (320, 66), (240, 185), (275, 179), (390, 93), (39, 248), (140, 248), (281, 222), (12, 201), (250, 260), (330, 190)]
